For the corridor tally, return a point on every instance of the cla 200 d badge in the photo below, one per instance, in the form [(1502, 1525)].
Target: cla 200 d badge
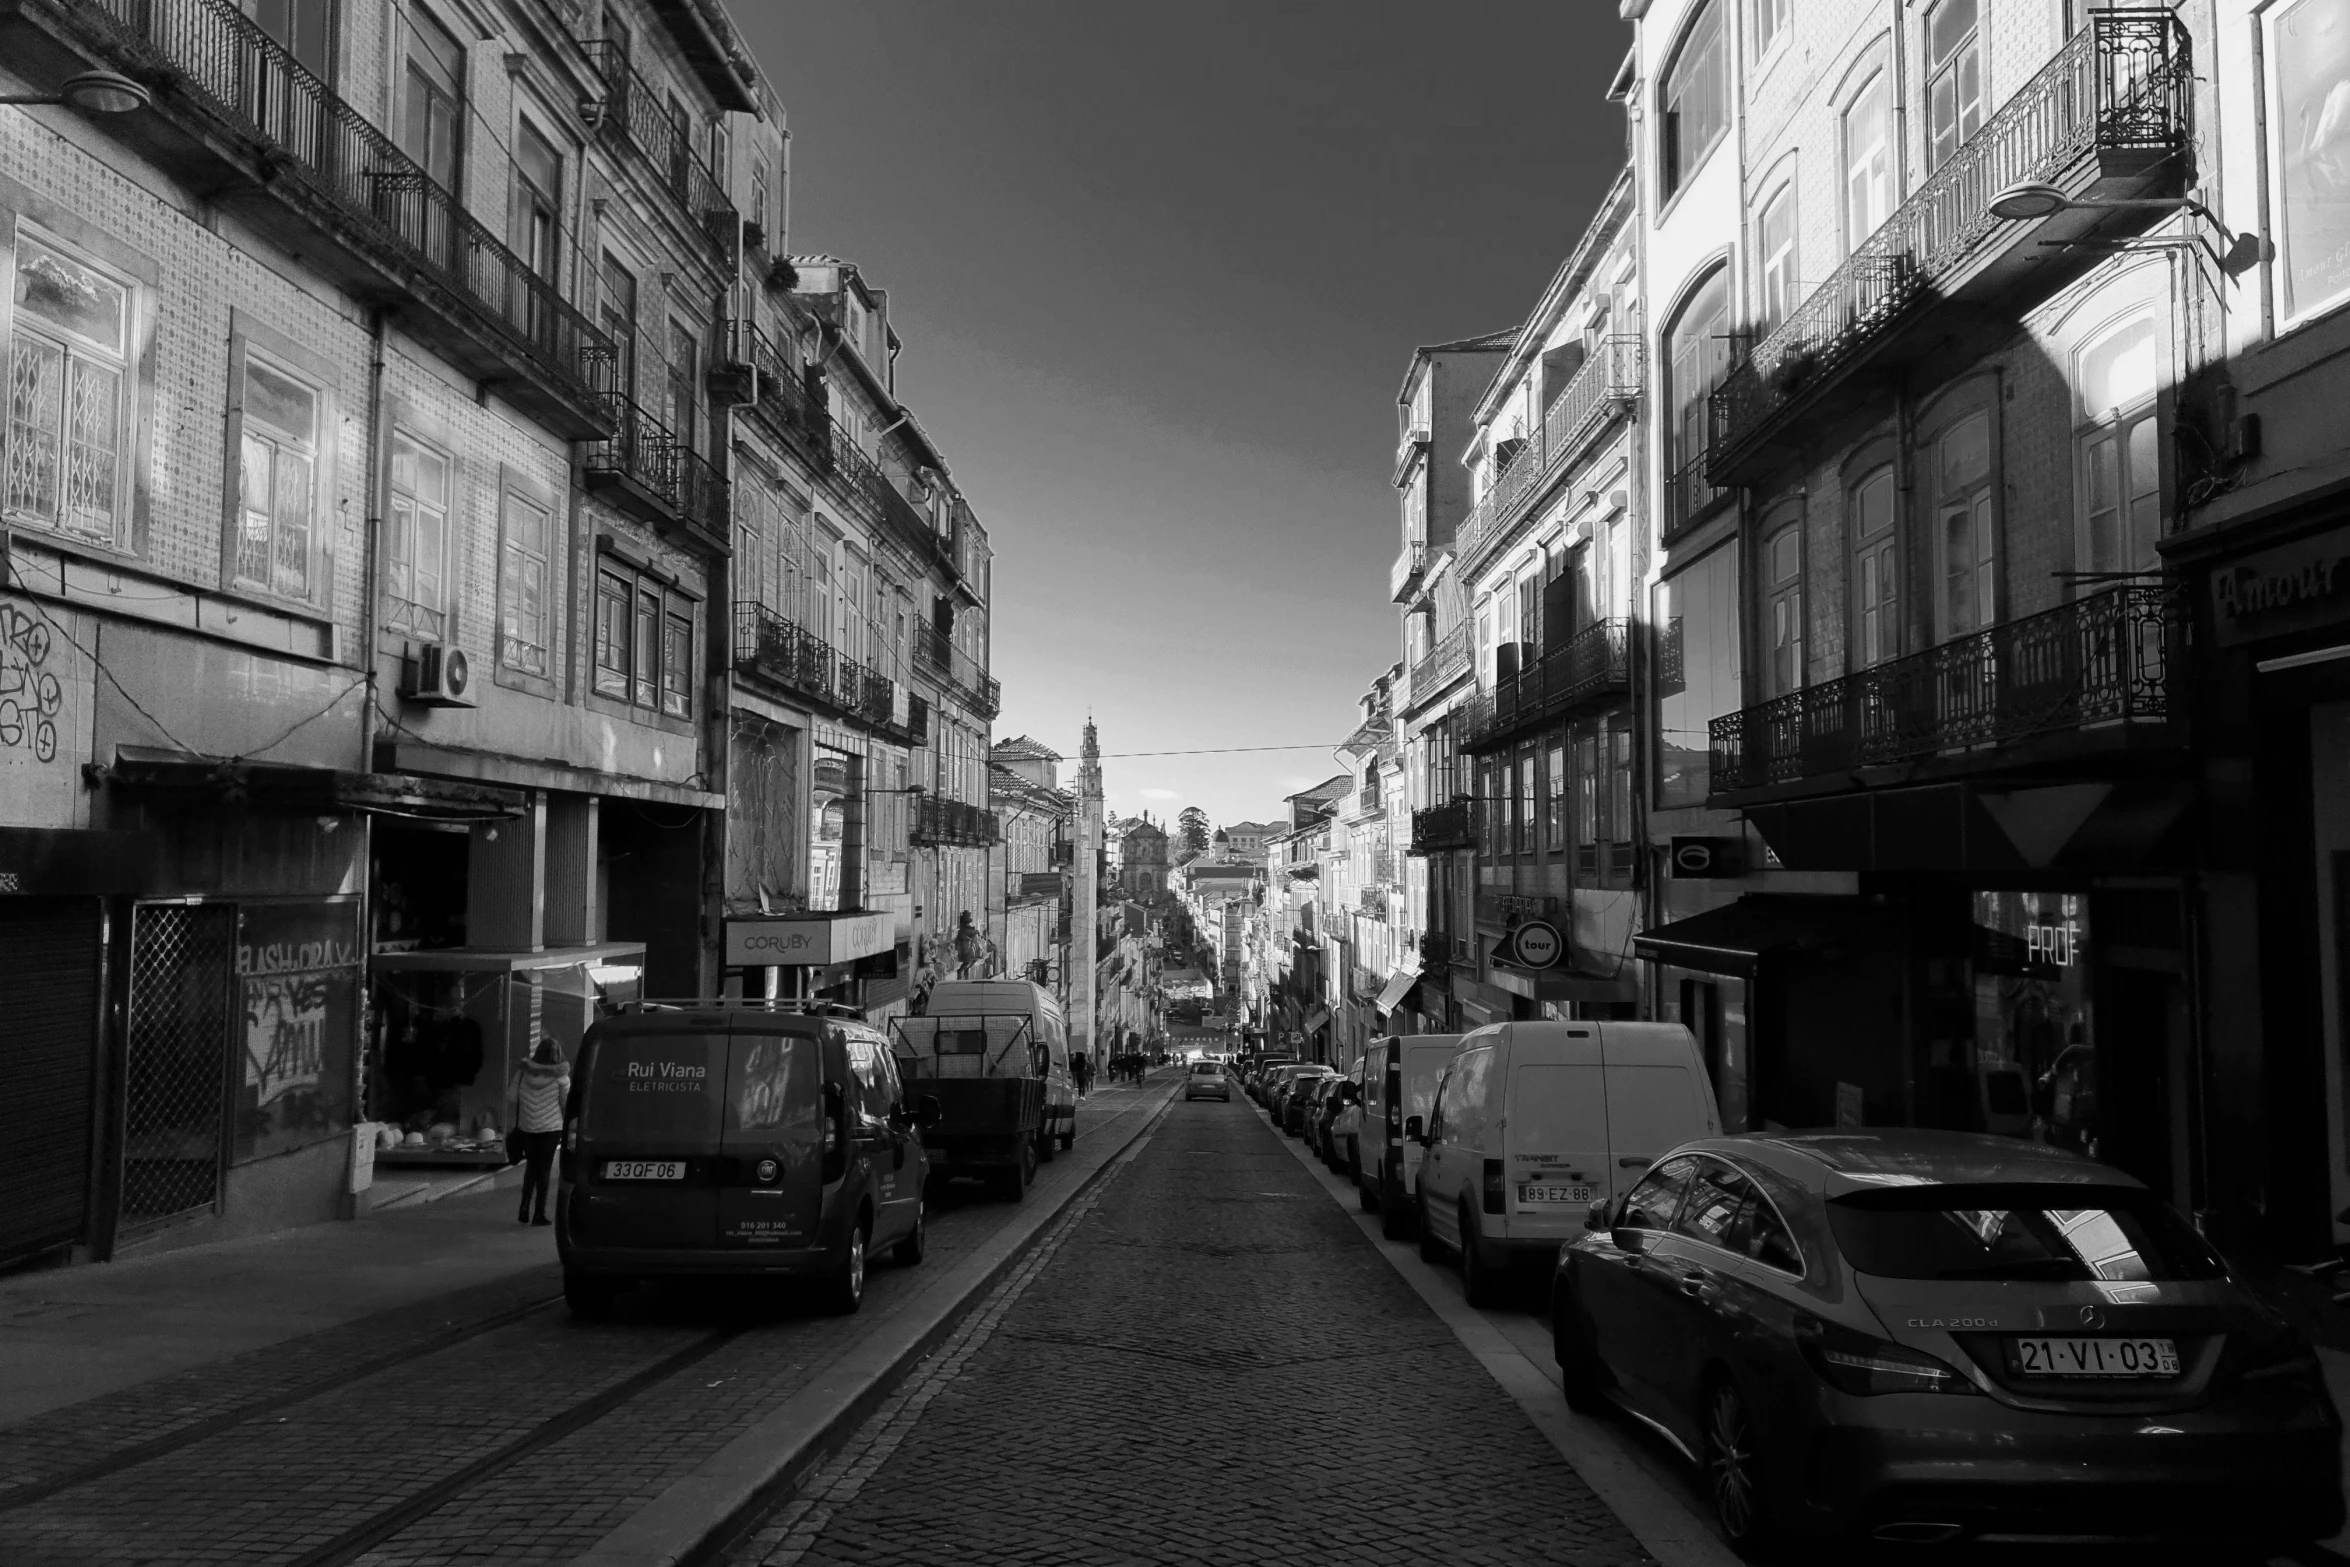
[(1954, 1322)]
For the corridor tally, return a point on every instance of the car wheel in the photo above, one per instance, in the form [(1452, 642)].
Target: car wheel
[(907, 1252), (1012, 1183), (1431, 1249), (844, 1292), (1733, 1470), (1581, 1375), (590, 1295), (1479, 1281)]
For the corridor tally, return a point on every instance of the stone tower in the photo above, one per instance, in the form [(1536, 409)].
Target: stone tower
[(1083, 1003)]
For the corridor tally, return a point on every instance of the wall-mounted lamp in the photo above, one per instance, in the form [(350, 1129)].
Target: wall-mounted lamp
[(92, 92), (2034, 199)]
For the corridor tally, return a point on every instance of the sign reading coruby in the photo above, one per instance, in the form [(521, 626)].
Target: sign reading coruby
[(2294, 587), (812, 941)]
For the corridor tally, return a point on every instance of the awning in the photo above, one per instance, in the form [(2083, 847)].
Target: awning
[(1399, 985), (305, 790), (1316, 1018), (1732, 938)]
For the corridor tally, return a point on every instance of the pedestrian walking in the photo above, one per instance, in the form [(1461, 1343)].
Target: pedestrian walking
[(539, 1091), (1082, 1069)]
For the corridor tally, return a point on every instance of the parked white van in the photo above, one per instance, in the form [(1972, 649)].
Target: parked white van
[(1536, 1122), (1003, 998), (1400, 1075)]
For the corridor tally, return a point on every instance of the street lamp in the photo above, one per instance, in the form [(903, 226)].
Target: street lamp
[(92, 92), (2035, 199)]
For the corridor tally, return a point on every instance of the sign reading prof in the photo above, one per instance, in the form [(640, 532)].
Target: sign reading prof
[(800, 943)]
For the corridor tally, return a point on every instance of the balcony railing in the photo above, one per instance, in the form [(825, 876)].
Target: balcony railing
[(773, 648), (646, 468), (1436, 828), (936, 651), (1444, 662), (1403, 578), (244, 96), (1593, 665), (2102, 663), (2117, 99), (783, 405), (942, 823), (637, 117), (1374, 902), (1607, 381)]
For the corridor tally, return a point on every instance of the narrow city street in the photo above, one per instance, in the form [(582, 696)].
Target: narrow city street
[(1207, 1364)]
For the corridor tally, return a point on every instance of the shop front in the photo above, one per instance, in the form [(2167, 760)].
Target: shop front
[(850, 958)]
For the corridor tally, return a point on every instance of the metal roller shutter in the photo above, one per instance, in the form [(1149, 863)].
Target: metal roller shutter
[(49, 959)]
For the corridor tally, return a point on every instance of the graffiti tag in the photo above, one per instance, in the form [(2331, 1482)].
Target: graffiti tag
[(30, 694), (285, 1035)]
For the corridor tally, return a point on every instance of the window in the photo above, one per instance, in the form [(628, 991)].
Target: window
[(1619, 794), (522, 585), (1771, 20), (1526, 803), (434, 105), (1783, 557), (1587, 823), (1876, 600), (1954, 79), (534, 227), (616, 314), (1964, 538), (277, 467), (644, 641), (1556, 822), (1489, 806), (1657, 1198), (1715, 1200), (417, 546), (1868, 161), (1696, 99), (68, 395), (2120, 451), (684, 378), (1775, 236), (755, 213), (302, 26), (1697, 672), (1698, 344), (2311, 155)]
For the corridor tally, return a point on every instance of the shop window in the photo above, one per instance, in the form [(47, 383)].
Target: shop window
[(1868, 161), (1696, 100), (416, 546), (1698, 672), (277, 417), (1965, 539), (1954, 79), (2311, 168), (69, 392), (1783, 611), (2119, 447), (1875, 571), (644, 641), (1775, 238)]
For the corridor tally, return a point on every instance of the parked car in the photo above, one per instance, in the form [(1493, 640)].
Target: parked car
[(1207, 1080), (1400, 1075), (1288, 1100), (1299, 1102), (1343, 1095), (1925, 1335), (1284, 1078), (736, 1141), (1536, 1122), (1260, 1083)]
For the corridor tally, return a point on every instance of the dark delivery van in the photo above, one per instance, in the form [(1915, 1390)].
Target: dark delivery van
[(736, 1140)]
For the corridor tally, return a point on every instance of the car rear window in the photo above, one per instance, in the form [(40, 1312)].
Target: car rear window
[(1206, 1069), (2018, 1232), (664, 1085), (1558, 1109)]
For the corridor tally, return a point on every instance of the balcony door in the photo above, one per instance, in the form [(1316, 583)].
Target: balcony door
[(1876, 573), (2117, 436), (535, 229), (284, 102), (432, 133)]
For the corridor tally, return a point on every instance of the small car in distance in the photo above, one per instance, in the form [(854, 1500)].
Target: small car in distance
[(1305, 1091), (1207, 1080), (1924, 1336)]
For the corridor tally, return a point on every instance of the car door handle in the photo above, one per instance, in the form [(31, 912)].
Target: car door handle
[(1693, 1285)]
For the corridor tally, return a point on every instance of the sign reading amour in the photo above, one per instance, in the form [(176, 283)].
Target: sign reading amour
[(2292, 587), (789, 943)]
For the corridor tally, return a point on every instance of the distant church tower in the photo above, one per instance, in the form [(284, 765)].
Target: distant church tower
[(1083, 1003)]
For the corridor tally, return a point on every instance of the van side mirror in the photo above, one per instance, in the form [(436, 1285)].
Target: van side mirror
[(1416, 1129)]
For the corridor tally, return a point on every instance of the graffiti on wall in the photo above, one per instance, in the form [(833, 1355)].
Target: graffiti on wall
[(31, 695)]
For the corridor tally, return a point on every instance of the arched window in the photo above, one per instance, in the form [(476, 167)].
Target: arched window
[(1775, 238), (1876, 599), (1695, 100), (1697, 347), (1783, 607), (2120, 456)]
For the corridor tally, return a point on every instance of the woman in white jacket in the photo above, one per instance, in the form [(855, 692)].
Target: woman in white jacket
[(540, 1088)]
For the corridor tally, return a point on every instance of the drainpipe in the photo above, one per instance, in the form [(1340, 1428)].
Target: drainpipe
[(372, 531)]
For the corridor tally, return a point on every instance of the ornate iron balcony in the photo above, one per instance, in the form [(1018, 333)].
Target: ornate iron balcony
[(647, 470), (637, 117), (1442, 664), (1607, 382), (1403, 578), (1437, 828), (936, 651), (2112, 113), (943, 823), (2098, 668), (772, 647), (783, 406), (1593, 665)]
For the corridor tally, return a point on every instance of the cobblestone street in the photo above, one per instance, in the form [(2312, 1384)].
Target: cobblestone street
[(1207, 1362)]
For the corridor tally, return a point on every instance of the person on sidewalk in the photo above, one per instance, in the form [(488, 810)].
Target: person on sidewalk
[(539, 1091)]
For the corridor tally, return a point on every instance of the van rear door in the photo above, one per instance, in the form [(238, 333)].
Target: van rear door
[(1556, 1132), (771, 1178), (1654, 1102), (648, 1156)]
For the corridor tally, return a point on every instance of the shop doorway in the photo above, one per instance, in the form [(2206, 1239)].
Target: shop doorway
[(176, 1060), (2142, 1073), (49, 969)]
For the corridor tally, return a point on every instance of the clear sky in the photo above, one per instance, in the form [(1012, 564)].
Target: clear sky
[(1159, 269)]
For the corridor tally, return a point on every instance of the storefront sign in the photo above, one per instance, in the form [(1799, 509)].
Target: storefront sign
[(796, 943), (1537, 944), (1700, 858), (2294, 587)]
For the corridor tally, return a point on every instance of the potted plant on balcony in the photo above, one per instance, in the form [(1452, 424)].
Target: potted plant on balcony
[(1793, 371)]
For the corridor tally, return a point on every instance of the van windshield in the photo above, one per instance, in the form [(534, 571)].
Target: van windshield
[(666, 1086), (1558, 1109)]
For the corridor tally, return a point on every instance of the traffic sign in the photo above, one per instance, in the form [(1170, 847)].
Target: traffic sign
[(1537, 944)]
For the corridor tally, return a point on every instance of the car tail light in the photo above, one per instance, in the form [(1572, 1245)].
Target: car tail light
[(1862, 1364), (1494, 1192)]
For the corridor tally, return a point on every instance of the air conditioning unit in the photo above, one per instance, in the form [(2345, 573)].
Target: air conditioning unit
[(438, 676)]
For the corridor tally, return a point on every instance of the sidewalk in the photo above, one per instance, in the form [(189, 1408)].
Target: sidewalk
[(71, 1334)]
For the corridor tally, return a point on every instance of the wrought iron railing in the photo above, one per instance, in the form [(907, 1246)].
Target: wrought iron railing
[(209, 57), (638, 117), (1594, 663), (1607, 381), (1436, 949), (783, 404), (1689, 494), (1443, 662), (644, 450), (952, 823), (1407, 569), (2099, 662), (2122, 84), (936, 651), (780, 650), (1452, 825)]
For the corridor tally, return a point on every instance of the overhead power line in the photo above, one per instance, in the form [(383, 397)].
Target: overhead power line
[(1223, 750)]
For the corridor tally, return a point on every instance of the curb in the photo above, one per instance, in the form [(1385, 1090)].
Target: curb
[(700, 1515)]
